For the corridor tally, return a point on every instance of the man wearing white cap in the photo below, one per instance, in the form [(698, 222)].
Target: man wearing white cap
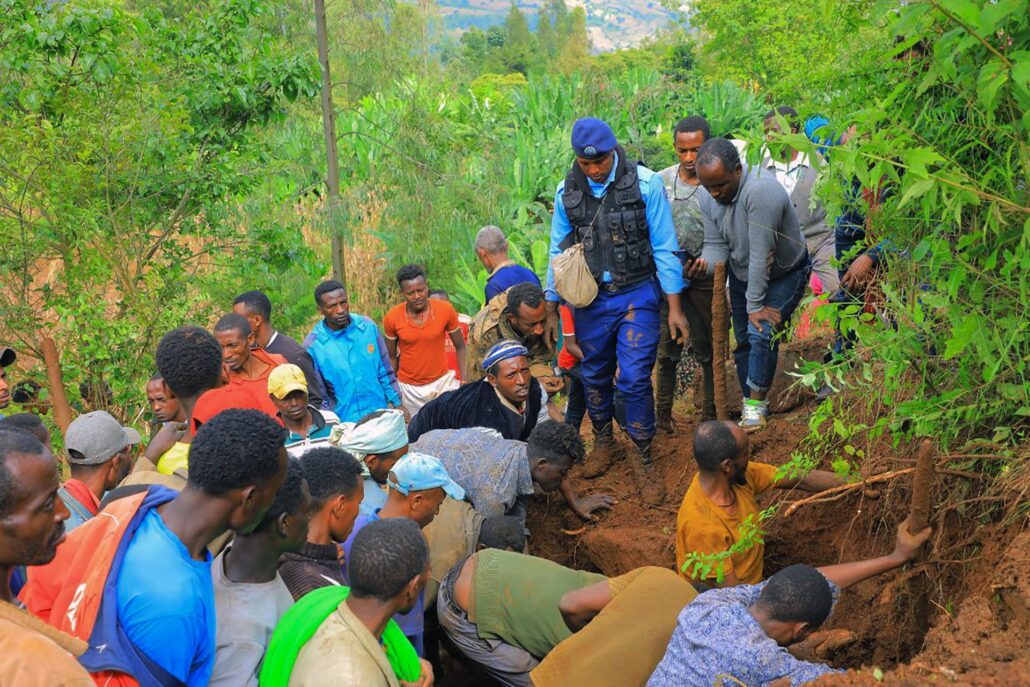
[(309, 427), (418, 484), (100, 456), (378, 441)]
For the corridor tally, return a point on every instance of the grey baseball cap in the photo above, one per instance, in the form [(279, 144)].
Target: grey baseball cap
[(97, 437)]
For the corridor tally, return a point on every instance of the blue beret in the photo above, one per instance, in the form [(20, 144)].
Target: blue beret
[(592, 138)]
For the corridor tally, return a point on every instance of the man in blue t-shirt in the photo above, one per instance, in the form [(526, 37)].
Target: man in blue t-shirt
[(503, 273)]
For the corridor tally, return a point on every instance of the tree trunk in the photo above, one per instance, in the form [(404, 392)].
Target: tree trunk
[(332, 178)]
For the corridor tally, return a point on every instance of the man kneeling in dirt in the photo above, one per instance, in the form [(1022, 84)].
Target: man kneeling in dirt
[(738, 635), (721, 498)]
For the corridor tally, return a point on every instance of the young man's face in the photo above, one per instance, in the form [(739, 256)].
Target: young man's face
[(416, 293), (294, 407), (529, 322), (687, 144), (345, 511), (512, 379), (596, 169), (34, 525), (235, 348), (163, 404), (550, 475), (426, 504), (335, 308), (379, 466), (254, 320)]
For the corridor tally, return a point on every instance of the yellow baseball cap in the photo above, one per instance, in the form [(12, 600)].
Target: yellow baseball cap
[(286, 379)]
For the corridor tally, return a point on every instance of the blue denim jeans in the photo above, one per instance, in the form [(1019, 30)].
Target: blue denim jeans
[(620, 330), (756, 351)]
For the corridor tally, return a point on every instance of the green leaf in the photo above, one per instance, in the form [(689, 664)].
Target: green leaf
[(916, 190), (961, 334), (993, 76)]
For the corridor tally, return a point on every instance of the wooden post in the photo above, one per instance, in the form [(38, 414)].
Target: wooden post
[(919, 520), (332, 177), (58, 399), (720, 341)]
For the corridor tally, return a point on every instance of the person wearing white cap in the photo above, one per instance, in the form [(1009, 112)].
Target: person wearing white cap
[(99, 456), (418, 484), (378, 441)]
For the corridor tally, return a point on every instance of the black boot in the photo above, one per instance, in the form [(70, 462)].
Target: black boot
[(603, 454), (652, 491)]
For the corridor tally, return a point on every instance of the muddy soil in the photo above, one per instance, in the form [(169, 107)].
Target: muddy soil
[(978, 573)]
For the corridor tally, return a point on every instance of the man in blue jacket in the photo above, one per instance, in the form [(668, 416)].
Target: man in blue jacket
[(348, 352), (617, 210)]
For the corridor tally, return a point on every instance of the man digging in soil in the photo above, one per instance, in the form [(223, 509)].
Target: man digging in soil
[(722, 496), (739, 635)]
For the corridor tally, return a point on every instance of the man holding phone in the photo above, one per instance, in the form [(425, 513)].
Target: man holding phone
[(684, 190)]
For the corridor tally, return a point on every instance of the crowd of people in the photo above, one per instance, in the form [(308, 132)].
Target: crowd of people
[(332, 511)]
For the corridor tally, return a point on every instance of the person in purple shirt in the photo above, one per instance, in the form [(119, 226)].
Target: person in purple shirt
[(503, 273), (740, 634), (418, 484)]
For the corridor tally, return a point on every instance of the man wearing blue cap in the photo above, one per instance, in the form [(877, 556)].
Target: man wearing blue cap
[(617, 211), (418, 484)]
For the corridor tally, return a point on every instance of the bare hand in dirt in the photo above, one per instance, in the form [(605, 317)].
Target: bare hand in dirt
[(858, 274), (426, 679), (906, 546), (766, 314), (551, 325), (821, 645), (165, 438), (587, 505)]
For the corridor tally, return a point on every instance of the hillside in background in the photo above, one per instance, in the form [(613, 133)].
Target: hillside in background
[(611, 24)]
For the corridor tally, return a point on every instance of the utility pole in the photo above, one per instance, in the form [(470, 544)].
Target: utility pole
[(332, 178)]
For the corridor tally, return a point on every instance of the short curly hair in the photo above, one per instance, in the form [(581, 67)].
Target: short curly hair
[(526, 293), (409, 272), (14, 441), (288, 498), (235, 449), (327, 287), (330, 471), (255, 302), (27, 422), (719, 149), (554, 442), (385, 556), (190, 361), (503, 532), (714, 442), (233, 322)]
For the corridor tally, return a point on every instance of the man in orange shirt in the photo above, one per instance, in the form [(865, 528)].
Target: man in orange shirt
[(245, 372), (415, 332), (721, 498)]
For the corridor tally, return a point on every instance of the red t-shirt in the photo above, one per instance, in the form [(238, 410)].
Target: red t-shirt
[(239, 393), (566, 360), (423, 359)]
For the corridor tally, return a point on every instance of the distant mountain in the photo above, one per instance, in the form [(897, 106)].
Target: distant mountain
[(611, 23)]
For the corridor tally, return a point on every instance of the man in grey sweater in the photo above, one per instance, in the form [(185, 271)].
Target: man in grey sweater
[(751, 224)]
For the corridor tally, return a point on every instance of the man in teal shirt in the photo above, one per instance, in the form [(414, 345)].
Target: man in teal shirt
[(347, 352)]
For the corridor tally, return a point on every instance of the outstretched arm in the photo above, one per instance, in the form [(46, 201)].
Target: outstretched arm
[(815, 481), (906, 546)]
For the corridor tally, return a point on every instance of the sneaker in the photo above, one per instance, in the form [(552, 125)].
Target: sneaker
[(754, 414), (603, 454)]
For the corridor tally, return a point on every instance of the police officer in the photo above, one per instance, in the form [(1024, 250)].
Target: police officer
[(617, 209)]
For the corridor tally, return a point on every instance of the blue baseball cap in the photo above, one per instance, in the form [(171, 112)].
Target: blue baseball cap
[(592, 138), (420, 471)]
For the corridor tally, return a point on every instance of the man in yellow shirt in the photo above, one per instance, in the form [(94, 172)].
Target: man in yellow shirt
[(722, 496)]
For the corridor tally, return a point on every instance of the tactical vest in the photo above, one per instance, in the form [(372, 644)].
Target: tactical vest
[(613, 229)]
